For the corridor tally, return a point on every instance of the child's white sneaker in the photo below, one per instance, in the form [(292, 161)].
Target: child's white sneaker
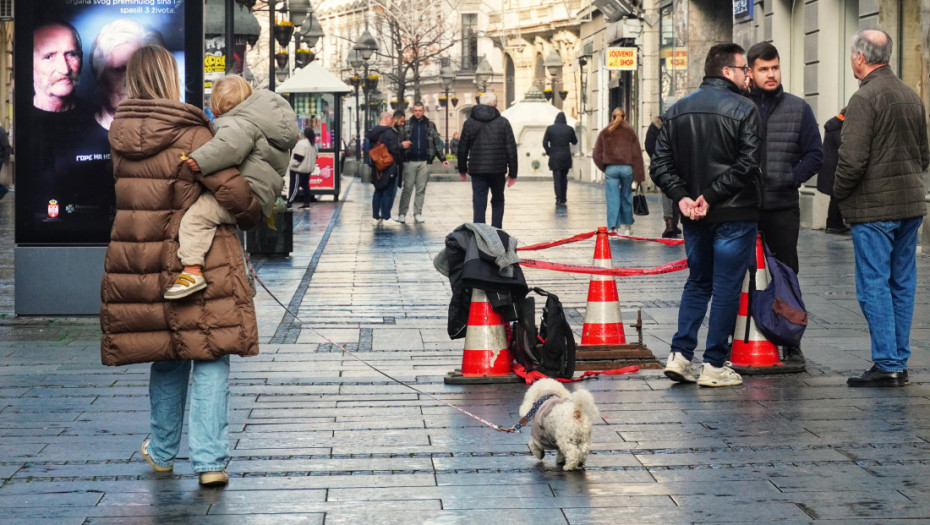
[(185, 285)]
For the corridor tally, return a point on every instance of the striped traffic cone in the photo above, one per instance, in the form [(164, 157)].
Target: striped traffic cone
[(602, 322), (486, 358), (752, 353)]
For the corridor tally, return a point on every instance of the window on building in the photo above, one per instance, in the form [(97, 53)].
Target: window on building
[(469, 41)]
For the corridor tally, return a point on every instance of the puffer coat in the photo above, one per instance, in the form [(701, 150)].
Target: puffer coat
[(487, 146), (256, 136), (557, 142), (153, 189)]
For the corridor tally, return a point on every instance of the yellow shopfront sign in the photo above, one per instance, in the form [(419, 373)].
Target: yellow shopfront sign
[(621, 58)]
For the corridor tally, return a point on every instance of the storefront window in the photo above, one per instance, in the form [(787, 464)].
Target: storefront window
[(317, 110)]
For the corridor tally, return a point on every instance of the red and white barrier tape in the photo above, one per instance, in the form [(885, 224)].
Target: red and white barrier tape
[(674, 266)]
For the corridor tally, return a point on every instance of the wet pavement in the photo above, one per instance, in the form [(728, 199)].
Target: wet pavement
[(318, 437)]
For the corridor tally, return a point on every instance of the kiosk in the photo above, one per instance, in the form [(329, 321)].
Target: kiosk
[(315, 94)]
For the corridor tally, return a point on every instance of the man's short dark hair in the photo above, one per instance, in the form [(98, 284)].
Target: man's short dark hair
[(719, 57), (762, 50), (399, 113)]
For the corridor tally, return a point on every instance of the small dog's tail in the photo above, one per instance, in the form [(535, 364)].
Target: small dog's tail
[(584, 404)]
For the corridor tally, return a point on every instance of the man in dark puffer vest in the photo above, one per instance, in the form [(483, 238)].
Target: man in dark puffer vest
[(793, 153)]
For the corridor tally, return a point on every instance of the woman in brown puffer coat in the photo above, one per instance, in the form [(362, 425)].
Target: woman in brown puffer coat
[(150, 133)]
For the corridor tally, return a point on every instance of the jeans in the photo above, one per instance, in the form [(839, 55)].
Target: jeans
[(780, 230), (382, 201), (480, 184), (886, 278), (208, 429), (416, 176), (618, 185), (560, 184), (718, 256)]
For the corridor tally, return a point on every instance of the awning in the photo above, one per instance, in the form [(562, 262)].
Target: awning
[(313, 78)]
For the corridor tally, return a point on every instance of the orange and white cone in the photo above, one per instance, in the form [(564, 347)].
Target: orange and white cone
[(754, 353), (486, 358), (602, 322)]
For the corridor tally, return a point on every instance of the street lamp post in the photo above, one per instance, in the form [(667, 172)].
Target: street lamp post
[(553, 63), (366, 47), (447, 76), (355, 60)]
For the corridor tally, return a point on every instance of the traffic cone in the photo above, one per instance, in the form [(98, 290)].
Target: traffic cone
[(602, 322), (755, 354), (486, 358)]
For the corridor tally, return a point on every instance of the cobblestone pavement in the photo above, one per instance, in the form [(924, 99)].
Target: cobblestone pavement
[(318, 437)]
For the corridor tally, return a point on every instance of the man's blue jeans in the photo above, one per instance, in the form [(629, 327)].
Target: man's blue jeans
[(718, 256), (886, 278), (382, 200), (618, 187), (480, 184), (208, 430)]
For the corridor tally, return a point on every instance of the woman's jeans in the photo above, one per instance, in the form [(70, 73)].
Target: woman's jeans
[(618, 185), (886, 279), (718, 256), (208, 429), (383, 200)]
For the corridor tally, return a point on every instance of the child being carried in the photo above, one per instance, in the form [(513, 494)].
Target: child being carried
[(254, 132)]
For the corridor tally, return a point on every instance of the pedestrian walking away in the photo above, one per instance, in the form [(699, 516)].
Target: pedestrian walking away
[(879, 184), (387, 179), (420, 140), (488, 152), (831, 148), (303, 162), (187, 341), (557, 142), (707, 160), (670, 212), (617, 153), (254, 132), (792, 155)]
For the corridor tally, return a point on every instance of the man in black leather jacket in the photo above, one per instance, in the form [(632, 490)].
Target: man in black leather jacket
[(707, 161), (488, 152)]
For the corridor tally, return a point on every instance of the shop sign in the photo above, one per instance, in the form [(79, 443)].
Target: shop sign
[(675, 58), (621, 58), (743, 9)]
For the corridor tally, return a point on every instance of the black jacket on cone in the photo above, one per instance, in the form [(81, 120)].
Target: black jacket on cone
[(487, 146)]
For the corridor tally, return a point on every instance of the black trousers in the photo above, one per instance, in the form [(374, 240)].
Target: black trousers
[(560, 183), (299, 181), (480, 184), (779, 229), (834, 217)]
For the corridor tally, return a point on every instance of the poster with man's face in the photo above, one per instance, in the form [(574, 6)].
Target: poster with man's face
[(79, 50)]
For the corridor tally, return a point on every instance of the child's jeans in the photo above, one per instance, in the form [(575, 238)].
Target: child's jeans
[(198, 226)]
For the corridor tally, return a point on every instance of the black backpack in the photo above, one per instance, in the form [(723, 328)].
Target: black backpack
[(549, 350)]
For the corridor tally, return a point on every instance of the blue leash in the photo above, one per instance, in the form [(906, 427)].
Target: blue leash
[(529, 415)]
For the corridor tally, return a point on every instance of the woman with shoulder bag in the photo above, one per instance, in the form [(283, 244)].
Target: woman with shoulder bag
[(617, 153), (303, 162), (186, 341), (385, 179)]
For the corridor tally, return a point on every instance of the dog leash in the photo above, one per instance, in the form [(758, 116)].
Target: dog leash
[(515, 428), (529, 415)]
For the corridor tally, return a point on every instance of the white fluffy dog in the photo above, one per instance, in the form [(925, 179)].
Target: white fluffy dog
[(562, 422)]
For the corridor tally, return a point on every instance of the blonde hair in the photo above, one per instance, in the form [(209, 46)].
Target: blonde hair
[(152, 73), (618, 116), (228, 92)]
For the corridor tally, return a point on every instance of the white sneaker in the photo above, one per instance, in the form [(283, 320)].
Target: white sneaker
[(627, 230), (376, 222), (400, 218), (679, 369), (185, 285), (723, 376), (418, 218)]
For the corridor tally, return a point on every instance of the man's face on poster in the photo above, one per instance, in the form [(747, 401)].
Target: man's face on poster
[(113, 78), (56, 65)]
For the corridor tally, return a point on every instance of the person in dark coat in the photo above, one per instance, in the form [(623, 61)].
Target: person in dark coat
[(831, 148), (670, 212), (558, 142), (488, 152), (386, 181)]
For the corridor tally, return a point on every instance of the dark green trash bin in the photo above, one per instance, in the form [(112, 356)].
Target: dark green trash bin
[(276, 243)]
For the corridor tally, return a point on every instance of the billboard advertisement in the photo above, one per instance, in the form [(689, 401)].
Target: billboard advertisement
[(73, 53), (324, 176)]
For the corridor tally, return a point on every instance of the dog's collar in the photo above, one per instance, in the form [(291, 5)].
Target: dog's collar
[(529, 415)]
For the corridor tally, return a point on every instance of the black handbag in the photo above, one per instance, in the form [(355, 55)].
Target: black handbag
[(640, 206)]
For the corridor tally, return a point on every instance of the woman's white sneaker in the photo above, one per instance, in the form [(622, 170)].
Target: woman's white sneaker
[(722, 376)]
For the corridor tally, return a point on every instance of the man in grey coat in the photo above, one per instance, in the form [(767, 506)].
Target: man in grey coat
[(879, 186)]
